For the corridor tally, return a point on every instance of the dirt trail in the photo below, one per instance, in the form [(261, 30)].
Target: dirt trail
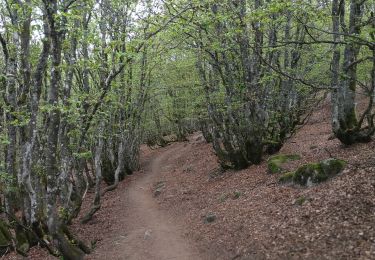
[(147, 232)]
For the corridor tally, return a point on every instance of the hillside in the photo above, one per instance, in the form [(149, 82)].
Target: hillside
[(268, 220), (161, 210)]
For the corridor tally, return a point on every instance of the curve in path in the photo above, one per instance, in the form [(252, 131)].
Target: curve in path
[(150, 232)]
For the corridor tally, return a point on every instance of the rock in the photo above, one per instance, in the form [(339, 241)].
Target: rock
[(147, 234), (159, 187), (210, 217), (274, 163), (286, 177), (332, 166), (311, 173)]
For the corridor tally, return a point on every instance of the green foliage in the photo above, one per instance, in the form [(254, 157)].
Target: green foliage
[(83, 155), (4, 140), (134, 71), (63, 213), (7, 181)]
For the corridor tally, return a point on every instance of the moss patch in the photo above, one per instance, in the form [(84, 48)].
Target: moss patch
[(237, 194), (306, 173), (274, 163), (300, 201), (311, 173), (332, 166)]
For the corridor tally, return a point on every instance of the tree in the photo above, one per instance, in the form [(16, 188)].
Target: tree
[(347, 127)]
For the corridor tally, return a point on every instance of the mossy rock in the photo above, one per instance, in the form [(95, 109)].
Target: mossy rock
[(332, 166), (308, 173), (311, 173), (286, 177), (210, 217), (274, 163)]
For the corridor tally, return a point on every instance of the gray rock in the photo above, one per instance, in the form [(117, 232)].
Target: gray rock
[(210, 217)]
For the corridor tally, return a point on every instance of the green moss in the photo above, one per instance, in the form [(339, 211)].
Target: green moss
[(306, 173), (300, 201), (318, 172), (274, 163), (273, 167), (237, 194), (286, 177), (332, 166)]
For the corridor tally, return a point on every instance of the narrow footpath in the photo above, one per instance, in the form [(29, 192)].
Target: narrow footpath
[(147, 232)]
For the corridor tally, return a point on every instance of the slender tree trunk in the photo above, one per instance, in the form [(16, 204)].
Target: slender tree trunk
[(11, 152), (346, 126), (98, 178), (335, 65)]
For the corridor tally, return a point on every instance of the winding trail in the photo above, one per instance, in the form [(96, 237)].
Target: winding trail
[(146, 232)]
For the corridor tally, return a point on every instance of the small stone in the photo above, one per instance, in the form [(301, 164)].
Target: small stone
[(159, 188), (147, 234), (210, 218)]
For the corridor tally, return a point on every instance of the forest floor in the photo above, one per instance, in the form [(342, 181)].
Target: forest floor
[(161, 211)]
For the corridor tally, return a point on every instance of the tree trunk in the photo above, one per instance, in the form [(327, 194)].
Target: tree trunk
[(345, 123)]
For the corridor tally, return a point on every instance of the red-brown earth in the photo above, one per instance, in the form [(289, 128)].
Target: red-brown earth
[(256, 216)]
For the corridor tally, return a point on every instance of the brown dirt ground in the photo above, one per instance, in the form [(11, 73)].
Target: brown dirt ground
[(337, 220)]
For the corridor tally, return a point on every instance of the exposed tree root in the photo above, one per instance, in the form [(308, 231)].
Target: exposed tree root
[(95, 207)]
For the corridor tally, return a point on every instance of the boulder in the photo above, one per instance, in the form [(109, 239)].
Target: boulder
[(332, 166), (286, 177), (312, 173), (308, 174)]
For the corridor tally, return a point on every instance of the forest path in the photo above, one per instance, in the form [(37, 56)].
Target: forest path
[(146, 232)]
